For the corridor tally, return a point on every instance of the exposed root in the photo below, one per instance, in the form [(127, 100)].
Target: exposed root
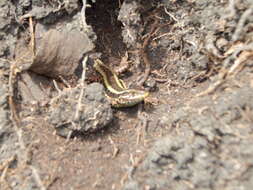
[(12, 76), (245, 53), (240, 52), (24, 155), (144, 53)]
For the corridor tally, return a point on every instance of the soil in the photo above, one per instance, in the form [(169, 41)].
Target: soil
[(58, 131)]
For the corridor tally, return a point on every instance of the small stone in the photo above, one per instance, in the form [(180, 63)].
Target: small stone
[(222, 44), (150, 84)]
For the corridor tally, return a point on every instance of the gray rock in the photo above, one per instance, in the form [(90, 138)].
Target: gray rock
[(94, 113)]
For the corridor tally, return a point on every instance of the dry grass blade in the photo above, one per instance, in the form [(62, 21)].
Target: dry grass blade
[(79, 104)]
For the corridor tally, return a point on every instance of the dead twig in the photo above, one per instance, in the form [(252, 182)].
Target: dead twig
[(65, 82), (85, 25), (57, 87), (4, 167), (13, 74), (115, 148), (142, 125), (162, 35), (135, 162), (32, 40), (79, 104), (37, 178), (14, 70), (240, 62), (171, 15)]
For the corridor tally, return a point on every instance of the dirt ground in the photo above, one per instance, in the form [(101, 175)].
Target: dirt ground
[(58, 130)]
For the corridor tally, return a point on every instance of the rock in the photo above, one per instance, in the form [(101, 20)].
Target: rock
[(94, 113)]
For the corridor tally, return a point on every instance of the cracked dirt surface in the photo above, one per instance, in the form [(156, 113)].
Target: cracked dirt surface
[(198, 136)]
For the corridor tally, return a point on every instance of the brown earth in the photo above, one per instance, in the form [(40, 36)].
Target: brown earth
[(196, 136)]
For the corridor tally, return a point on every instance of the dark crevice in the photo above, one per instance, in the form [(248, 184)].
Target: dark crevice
[(102, 16)]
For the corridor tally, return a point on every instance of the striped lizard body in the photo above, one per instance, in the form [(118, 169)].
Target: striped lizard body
[(116, 91)]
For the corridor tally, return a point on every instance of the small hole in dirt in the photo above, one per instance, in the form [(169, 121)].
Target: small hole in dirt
[(102, 16)]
